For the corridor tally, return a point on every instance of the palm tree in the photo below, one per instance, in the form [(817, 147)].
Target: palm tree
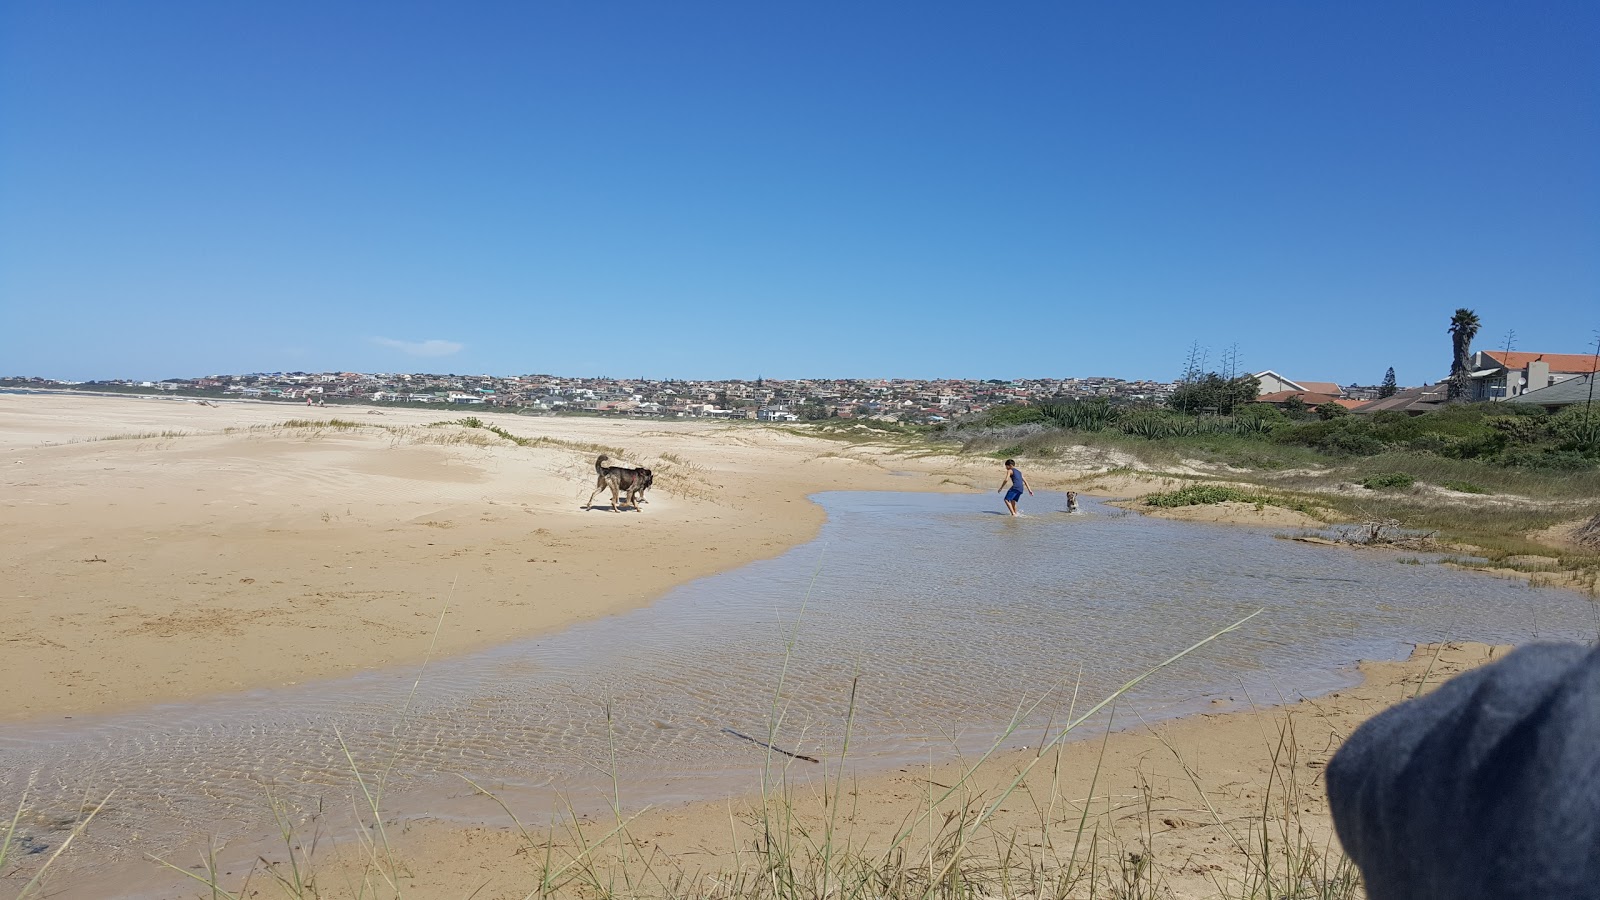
[(1463, 328)]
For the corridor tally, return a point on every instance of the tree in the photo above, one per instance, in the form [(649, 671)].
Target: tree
[(1213, 393), (1464, 327), (1331, 410), (1388, 387)]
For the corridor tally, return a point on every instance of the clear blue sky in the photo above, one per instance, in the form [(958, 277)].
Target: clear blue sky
[(801, 189)]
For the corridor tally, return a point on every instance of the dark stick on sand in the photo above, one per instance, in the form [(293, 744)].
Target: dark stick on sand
[(770, 747)]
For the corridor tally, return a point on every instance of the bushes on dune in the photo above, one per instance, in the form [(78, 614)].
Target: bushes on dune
[(1501, 434), (1388, 481), (1207, 494)]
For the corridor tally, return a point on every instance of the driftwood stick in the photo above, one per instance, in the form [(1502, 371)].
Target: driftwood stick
[(746, 737)]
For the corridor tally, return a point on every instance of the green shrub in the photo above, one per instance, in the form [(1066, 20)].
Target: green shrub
[(1575, 428), (1207, 494), (1213, 393), (1155, 426), (1199, 495), (1264, 411), (1255, 425), (1081, 415), (1388, 481), (1015, 414), (1437, 444), (1518, 429), (1331, 411), (1351, 442), (1553, 460)]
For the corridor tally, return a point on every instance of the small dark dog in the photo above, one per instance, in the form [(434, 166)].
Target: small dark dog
[(623, 481), (1072, 501)]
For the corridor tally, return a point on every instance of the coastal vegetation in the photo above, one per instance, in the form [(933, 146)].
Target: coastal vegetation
[(1205, 494), (1526, 471)]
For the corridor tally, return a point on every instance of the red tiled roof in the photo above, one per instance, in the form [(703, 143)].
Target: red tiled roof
[(1565, 363), (1310, 398), (1320, 387)]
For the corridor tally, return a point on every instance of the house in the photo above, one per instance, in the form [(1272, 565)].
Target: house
[(776, 414), (1273, 383), (1411, 401), (1312, 399), (1568, 392), (1502, 375)]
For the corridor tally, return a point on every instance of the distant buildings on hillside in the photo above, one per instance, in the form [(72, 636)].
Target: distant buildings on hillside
[(1495, 376), (770, 400)]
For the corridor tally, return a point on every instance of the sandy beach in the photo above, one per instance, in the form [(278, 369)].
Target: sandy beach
[(156, 550)]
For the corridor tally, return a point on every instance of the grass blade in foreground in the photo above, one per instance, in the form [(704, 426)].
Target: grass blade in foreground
[(1067, 729)]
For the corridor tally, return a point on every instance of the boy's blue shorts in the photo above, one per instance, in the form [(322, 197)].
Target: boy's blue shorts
[(1013, 495)]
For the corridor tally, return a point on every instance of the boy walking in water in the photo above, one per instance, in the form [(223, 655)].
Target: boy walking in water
[(1017, 483)]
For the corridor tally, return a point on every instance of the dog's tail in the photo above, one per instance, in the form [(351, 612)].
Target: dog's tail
[(600, 464)]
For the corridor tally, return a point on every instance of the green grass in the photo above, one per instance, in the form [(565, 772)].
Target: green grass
[(1207, 494), (1389, 481)]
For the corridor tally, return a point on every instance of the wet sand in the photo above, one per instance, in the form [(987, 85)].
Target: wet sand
[(157, 550)]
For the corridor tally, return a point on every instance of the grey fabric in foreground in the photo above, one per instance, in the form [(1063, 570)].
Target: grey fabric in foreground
[(1489, 787)]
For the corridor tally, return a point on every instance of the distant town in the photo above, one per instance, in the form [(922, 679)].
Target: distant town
[(766, 399), (1550, 379)]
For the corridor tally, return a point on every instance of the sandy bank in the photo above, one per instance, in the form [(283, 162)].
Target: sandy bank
[(153, 550)]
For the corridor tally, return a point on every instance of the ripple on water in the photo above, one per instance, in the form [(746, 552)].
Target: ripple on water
[(950, 616)]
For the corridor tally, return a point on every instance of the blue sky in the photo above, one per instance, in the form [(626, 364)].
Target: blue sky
[(732, 190)]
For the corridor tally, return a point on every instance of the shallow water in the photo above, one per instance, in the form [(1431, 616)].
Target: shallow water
[(950, 613)]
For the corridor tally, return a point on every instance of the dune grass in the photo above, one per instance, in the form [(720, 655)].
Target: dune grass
[(143, 435)]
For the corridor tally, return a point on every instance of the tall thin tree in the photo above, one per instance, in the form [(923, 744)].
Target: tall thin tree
[(1594, 372), (1388, 388), (1230, 362), (1464, 327)]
